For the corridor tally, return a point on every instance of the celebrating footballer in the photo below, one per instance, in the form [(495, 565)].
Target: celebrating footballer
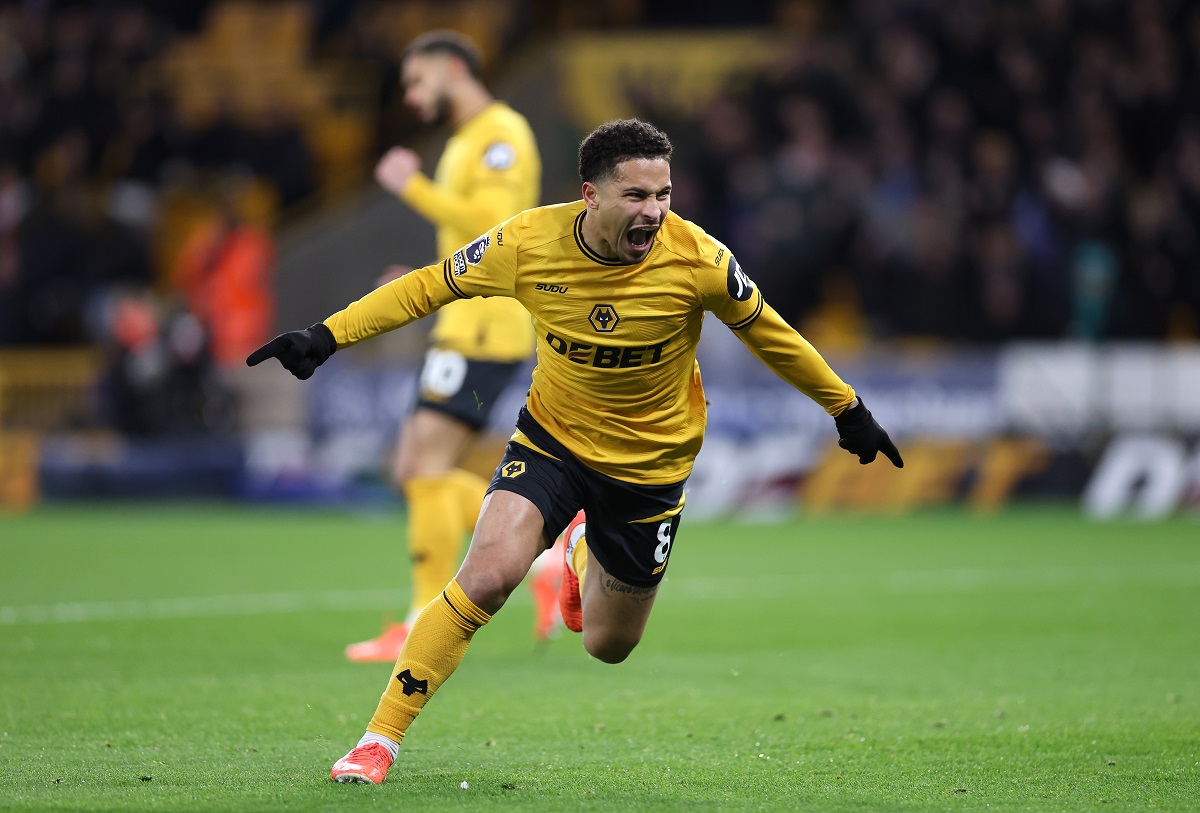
[(617, 287)]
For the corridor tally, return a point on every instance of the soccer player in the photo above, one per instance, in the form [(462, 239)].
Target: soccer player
[(618, 287), (489, 171)]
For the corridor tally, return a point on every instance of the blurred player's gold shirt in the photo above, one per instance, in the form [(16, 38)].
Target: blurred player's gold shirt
[(489, 171), (617, 381)]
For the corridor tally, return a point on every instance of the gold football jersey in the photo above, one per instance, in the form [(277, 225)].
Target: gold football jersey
[(489, 171), (617, 381)]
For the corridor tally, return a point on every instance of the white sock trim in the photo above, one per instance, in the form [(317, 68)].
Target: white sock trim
[(577, 533), (390, 744)]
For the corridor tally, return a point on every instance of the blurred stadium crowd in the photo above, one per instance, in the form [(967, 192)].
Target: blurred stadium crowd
[(974, 171), (90, 142)]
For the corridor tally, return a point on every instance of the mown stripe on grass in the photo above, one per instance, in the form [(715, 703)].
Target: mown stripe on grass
[(955, 580), (198, 607)]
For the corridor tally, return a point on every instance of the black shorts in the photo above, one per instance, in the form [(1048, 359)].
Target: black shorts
[(630, 528), (461, 387)]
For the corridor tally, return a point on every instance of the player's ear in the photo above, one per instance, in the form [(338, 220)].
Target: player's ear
[(456, 68), (591, 195)]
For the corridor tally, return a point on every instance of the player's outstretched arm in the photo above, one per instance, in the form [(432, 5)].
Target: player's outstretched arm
[(403, 300), (736, 300), (794, 360), (862, 435), (300, 352)]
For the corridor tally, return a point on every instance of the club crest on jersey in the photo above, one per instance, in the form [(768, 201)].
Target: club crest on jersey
[(514, 469), (740, 286), (604, 318)]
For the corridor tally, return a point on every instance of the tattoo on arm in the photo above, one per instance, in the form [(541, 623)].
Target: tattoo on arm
[(612, 586)]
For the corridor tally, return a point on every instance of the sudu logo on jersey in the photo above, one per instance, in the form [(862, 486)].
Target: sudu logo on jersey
[(472, 254), (740, 285), (604, 318)]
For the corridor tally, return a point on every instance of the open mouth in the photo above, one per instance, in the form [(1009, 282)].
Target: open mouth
[(641, 236)]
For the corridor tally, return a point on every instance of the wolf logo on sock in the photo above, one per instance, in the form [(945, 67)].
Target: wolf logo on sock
[(411, 684)]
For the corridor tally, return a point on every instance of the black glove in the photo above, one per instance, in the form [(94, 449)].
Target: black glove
[(862, 435), (301, 352)]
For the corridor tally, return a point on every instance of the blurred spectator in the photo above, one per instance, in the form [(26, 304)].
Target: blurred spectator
[(1093, 286), (14, 203), (1156, 244), (224, 144), (47, 295), (160, 380), (147, 142), (280, 154), (225, 271)]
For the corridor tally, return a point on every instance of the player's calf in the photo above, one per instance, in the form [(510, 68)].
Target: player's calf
[(609, 648), (616, 613)]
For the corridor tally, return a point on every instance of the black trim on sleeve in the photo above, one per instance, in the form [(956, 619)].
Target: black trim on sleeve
[(749, 320), (449, 275)]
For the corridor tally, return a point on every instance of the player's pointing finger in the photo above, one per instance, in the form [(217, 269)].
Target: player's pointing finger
[(269, 350)]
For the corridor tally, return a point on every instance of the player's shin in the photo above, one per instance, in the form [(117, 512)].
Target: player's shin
[(435, 646), (435, 535), (469, 489)]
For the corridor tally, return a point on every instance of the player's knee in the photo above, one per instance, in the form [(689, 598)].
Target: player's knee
[(416, 464), (609, 647), (404, 471), (489, 586), (488, 589)]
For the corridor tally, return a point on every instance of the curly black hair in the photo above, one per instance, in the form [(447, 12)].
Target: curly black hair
[(617, 141)]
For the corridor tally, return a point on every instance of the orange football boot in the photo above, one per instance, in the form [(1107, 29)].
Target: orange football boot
[(544, 583), (384, 649), (570, 605), (365, 765)]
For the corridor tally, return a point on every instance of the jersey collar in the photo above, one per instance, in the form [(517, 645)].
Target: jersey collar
[(587, 251)]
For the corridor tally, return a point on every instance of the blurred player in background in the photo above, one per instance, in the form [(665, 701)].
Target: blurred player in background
[(489, 171), (618, 287)]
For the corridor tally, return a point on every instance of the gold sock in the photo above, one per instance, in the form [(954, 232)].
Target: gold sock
[(435, 536), (434, 647), (579, 560), (469, 489)]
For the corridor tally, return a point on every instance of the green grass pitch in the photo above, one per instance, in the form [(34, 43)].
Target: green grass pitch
[(190, 658)]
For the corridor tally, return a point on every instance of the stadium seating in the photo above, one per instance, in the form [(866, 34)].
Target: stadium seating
[(41, 391)]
